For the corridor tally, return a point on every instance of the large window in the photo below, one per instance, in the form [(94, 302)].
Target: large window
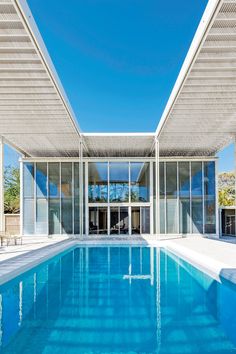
[(28, 185), (54, 198), (171, 198), (66, 198), (76, 199), (209, 193), (140, 220), (184, 197), (139, 176), (119, 220), (119, 182), (41, 198), (162, 197), (197, 197), (98, 220), (97, 182)]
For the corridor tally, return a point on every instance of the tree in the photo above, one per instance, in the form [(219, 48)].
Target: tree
[(226, 188), (12, 190)]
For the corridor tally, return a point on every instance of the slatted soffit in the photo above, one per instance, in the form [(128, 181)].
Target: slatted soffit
[(119, 144), (200, 116), (35, 115), (37, 119)]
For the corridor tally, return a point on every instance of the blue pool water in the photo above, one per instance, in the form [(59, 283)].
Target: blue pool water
[(117, 300)]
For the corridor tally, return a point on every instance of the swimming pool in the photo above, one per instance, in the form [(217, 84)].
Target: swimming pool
[(117, 300)]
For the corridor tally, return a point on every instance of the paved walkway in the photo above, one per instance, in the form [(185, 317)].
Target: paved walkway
[(214, 256)]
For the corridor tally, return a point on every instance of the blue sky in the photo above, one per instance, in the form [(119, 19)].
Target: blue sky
[(118, 59)]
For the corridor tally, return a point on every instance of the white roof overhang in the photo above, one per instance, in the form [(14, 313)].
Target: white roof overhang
[(119, 144), (35, 115), (37, 119), (200, 115)]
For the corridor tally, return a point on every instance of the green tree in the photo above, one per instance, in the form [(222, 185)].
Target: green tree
[(226, 189), (12, 190)]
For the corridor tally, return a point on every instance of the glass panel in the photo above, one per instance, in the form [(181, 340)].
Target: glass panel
[(209, 194), (28, 216), (119, 220), (162, 197), (28, 180), (184, 216), (171, 198), (102, 220), (93, 220), (119, 182), (135, 220), (97, 182), (184, 197), (66, 215), (66, 179), (139, 174), (41, 179), (114, 221), (54, 179), (197, 212), (66, 197), (54, 216), (124, 220), (98, 220), (41, 216), (145, 212), (76, 199)]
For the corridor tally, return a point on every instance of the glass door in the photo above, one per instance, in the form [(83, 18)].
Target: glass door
[(140, 220), (119, 221)]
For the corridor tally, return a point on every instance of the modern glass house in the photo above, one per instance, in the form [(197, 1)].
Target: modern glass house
[(118, 196), (121, 184)]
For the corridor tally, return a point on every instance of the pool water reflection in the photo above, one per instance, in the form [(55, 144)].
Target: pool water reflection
[(117, 300)]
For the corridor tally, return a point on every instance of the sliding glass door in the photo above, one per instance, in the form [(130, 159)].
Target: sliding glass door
[(140, 220)]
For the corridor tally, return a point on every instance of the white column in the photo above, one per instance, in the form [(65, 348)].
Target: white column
[(2, 226), (157, 214)]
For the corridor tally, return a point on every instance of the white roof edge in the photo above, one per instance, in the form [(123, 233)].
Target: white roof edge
[(207, 17), (34, 31), (119, 134)]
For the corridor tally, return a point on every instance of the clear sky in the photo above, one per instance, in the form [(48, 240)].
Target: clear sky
[(118, 59)]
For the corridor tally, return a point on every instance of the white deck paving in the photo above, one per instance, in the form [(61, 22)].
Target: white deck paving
[(215, 257)]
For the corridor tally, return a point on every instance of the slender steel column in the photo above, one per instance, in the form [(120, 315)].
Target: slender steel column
[(2, 226), (157, 214)]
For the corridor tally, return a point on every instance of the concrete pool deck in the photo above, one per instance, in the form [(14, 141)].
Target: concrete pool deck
[(217, 257)]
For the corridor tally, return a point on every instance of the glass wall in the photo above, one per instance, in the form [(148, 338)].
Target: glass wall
[(41, 198), (119, 220), (197, 197), (119, 182), (209, 197), (54, 198), (118, 197), (139, 178), (187, 197), (97, 182), (51, 203), (184, 197), (171, 198), (76, 199), (66, 198), (28, 200), (98, 220)]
